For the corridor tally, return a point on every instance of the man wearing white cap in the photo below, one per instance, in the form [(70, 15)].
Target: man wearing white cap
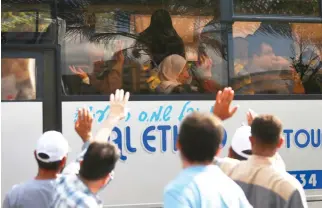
[(51, 155), (241, 148)]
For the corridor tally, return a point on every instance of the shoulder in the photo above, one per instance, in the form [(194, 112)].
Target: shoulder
[(89, 202), (226, 164), (16, 189), (180, 185)]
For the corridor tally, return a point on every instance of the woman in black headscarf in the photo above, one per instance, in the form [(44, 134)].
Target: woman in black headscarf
[(160, 39)]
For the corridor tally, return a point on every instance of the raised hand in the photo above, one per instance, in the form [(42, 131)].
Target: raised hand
[(222, 107), (250, 116), (118, 110), (84, 123), (118, 104), (78, 71)]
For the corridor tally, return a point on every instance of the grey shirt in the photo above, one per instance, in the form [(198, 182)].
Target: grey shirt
[(38, 193)]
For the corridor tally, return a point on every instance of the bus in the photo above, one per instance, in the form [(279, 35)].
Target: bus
[(60, 55)]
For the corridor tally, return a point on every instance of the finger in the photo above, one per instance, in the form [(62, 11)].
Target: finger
[(121, 95), (218, 96), (126, 97), (233, 110), (224, 96), (83, 114), (86, 114), (79, 116), (248, 118), (81, 70), (72, 69), (117, 95), (90, 117), (230, 96), (112, 98)]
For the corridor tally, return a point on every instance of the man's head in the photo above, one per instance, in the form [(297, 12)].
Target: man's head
[(98, 163), (200, 137), (241, 148), (266, 135), (51, 151)]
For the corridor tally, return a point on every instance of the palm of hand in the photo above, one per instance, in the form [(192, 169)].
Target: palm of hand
[(119, 103)]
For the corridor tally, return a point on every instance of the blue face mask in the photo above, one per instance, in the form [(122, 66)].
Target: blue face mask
[(108, 182)]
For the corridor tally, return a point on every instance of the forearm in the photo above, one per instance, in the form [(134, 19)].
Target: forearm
[(106, 128)]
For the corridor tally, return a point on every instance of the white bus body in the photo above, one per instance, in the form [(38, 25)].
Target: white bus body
[(147, 138)]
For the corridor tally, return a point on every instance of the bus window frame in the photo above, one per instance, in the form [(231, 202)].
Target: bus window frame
[(50, 81), (227, 17), (205, 97), (313, 18)]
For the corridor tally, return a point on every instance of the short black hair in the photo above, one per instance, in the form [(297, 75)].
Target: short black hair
[(200, 137), (267, 129), (99, 160), (52, 166), (236, 156)]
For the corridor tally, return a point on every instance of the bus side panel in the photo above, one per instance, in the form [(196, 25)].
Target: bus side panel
[(21, 126), (148, 135)]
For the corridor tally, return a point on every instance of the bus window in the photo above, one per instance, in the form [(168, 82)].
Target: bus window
[(277, 7), (145, 35), (18, 79), (26, 23), (282, 58)]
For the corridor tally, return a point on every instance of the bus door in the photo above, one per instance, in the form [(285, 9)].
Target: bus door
[(28, 108)]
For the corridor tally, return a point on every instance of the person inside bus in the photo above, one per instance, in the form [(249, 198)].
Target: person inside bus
[(262, 58), (16, 79), (102, 80), (212, 52), (160, 39), (204, 67), (174, 76)]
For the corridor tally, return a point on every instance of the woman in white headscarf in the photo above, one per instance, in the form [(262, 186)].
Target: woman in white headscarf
[(174, 75)]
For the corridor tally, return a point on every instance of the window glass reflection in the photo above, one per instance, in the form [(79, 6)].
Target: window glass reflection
[(277, 7), (282, 58), (28, 22), (143, 48), (18, 79)]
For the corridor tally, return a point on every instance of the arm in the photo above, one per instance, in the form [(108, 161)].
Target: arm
[(83, 126), (297, 200), (118, 111)]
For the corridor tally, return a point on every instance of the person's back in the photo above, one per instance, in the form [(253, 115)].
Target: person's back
[(265, 183), (260, 179), (24, 194), (50, 154), (202, 184), (206, 186)]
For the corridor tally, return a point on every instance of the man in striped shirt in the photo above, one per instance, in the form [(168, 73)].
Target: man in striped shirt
[(264, 184), (82, 180)]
